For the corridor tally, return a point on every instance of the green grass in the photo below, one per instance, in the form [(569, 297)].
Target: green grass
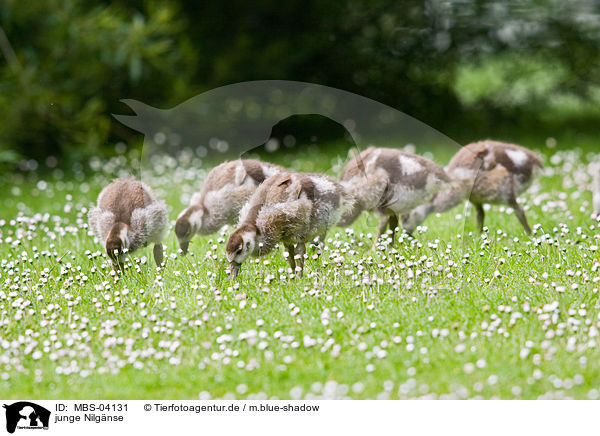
[(426, 317)]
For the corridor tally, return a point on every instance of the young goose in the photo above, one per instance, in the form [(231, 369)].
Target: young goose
[(291, 208), (391, 182), (225, 190), (128, 217), (483, 172)]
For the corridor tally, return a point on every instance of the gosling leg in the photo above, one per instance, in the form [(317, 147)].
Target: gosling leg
[(300, 250), (291, 260), (393, 223), (480, 216), (381, 226), (322, 240), (520, 214), (158, 253)]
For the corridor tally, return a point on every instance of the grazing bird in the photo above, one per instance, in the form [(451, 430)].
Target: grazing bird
[(596, 187), (291, 208), (390, 182), (128, 217), (225, 190), (483, 172)]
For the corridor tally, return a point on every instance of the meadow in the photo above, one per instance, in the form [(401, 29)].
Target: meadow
[(447, 313)]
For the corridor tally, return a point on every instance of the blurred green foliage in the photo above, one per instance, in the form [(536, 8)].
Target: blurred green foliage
[(453, 64), (74, 60)]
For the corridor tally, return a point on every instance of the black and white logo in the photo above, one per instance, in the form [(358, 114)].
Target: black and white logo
[(26, 415)]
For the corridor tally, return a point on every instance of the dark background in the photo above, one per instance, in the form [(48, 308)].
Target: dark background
[(471, 69)]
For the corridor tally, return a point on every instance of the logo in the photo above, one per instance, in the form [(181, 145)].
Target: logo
[(26, 415)]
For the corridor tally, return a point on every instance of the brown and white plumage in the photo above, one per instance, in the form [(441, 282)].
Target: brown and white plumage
[(291, 208), (391, 182), (128, 217), (484, 172), (225, 190)]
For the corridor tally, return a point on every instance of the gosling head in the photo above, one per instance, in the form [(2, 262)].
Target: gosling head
[(240, 245), (187, 225), (350, 213), (117, 243), (415, 218)]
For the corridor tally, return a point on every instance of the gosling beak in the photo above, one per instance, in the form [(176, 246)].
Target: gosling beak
[(184, 247), (234, 268)]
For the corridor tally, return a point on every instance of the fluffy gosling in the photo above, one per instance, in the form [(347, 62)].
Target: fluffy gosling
[(291, 208), (225, 190), (128, 217), (484, 172), (390, 182)]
